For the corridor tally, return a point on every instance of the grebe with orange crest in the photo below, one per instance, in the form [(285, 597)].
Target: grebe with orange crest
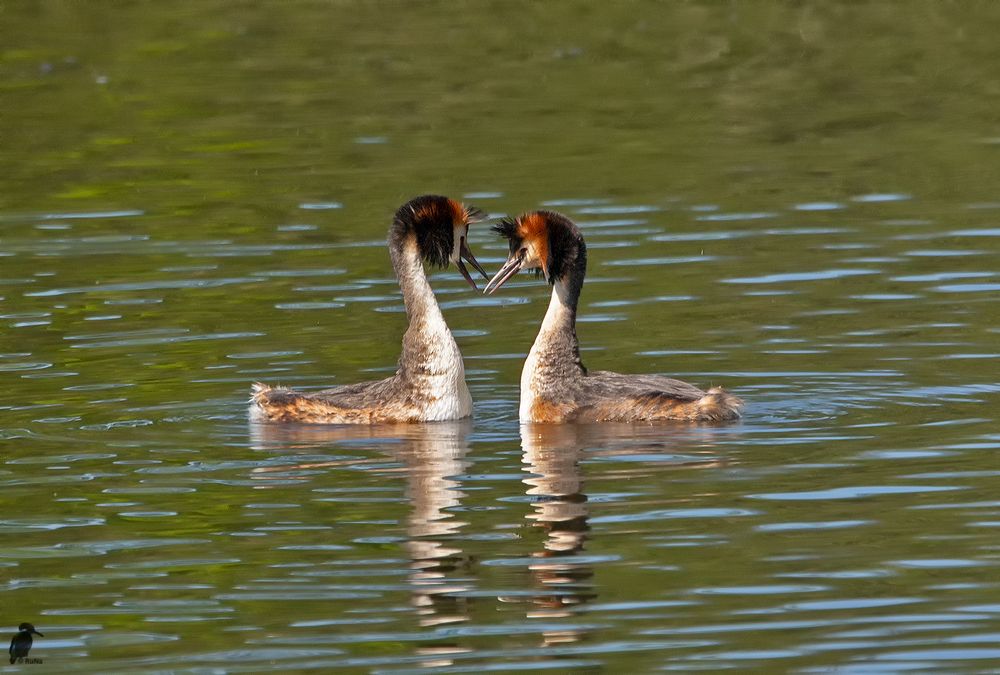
[(555, 385)]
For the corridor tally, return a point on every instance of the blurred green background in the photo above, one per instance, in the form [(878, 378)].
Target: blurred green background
[(223, 113)]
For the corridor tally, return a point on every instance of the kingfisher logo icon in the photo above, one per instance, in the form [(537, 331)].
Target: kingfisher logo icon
[(20, 644)]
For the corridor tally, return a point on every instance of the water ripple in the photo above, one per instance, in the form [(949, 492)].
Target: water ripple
[(856, 492), (820, 275)]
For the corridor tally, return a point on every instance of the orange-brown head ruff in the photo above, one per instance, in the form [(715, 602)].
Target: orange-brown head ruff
[(533, 229), (433, 208)]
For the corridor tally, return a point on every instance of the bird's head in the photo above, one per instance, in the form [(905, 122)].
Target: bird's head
[(441, 226), (544, 241)]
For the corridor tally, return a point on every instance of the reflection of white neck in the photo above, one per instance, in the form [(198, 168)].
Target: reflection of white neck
[(432, 485), (552, 457), (430, 358), (434, 456)]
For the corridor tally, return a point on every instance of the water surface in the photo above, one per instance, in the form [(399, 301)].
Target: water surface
[(798, 203)]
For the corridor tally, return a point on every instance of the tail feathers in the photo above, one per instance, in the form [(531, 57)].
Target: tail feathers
[(258, 392), (718, 405), (278, 404), (264, 396), (274, 404)]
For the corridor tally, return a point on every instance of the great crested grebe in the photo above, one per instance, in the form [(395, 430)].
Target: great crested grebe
[(555, 385), (429, 384)]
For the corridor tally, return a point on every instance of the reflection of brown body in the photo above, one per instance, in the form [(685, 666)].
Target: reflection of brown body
[(552, 455), (429, 384), (432, 456), (433, 464), (555, 385)]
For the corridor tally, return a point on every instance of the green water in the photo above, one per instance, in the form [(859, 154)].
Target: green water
[(797, 201)]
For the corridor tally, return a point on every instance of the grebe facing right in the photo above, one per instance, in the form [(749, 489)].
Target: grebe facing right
[(429, 384), (555, 385)]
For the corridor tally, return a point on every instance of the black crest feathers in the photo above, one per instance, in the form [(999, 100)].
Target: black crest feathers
[(432, 218), (507, 228), (566, 247), (474, 215)]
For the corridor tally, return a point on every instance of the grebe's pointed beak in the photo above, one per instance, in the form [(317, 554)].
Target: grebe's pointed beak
[(465, 252), (509, 269), (465, 273)]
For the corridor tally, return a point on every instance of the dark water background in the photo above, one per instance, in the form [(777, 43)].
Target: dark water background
[(800, 202)]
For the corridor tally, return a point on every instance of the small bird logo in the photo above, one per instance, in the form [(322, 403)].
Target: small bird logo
[(20, 644)]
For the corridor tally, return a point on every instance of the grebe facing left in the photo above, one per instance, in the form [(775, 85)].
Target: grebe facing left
[(555, 385), (429, 384)]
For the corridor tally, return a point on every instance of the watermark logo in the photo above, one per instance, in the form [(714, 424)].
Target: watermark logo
[(20, 644)]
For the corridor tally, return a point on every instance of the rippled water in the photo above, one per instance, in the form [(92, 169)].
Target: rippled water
[(820, 262)]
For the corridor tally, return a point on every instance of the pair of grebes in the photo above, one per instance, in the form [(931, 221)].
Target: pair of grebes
[(429, 384)]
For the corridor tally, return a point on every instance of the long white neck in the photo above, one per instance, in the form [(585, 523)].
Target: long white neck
[(554, 358), (430, 361), (559, 321), (418, 297)]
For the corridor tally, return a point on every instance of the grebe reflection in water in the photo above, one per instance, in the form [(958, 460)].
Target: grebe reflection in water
[(562, 571), (430, 456)]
